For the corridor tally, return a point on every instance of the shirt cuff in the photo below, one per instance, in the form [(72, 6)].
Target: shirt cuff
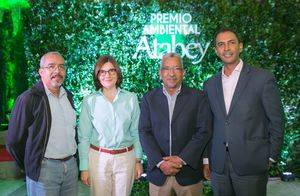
[(183, 162), (205, 161), (138, 150), (158, 164), (83, 164)]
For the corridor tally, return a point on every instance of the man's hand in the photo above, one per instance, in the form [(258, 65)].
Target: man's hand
[(271, 163), (138, 170), (85, 178), (170, 168), (175, 159), (206, 171)]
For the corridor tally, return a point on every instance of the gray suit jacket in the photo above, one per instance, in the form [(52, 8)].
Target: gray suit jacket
[(253, 127)]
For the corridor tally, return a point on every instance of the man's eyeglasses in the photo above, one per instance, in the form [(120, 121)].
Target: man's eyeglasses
[(175, 69), (54, 67), (103, 72)]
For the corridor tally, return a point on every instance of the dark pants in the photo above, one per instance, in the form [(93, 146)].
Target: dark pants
[(231, 184)]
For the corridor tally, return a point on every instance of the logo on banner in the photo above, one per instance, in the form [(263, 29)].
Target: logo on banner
[(170, 32)]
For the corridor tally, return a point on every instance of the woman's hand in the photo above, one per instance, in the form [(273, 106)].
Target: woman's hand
[(138, 170), (85, 178)]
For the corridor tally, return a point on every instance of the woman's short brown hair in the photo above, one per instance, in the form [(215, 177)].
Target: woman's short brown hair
[(101, 61)]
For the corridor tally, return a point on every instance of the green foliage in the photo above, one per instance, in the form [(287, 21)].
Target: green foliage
[(140, 188), (13, 6), (100, 28), (83, 30), (12, 58), (207, 189), (295, 158)]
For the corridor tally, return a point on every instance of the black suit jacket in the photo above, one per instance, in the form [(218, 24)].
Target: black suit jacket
[(253, 126), (29, 129), (190, 133)]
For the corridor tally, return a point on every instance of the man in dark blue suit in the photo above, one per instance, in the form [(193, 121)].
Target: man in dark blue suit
[(174, 130), (247, 122)]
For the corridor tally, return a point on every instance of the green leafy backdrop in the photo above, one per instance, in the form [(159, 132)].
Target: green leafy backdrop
[(83, 30)]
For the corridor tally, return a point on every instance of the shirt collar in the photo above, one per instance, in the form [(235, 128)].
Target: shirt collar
[(119, 90), (176, 92), (62, 91), (238, 68)]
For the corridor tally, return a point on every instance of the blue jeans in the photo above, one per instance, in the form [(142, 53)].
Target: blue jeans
[(56, 178)]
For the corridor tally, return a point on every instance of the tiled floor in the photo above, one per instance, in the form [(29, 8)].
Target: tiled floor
[(18, 188), (275, 188)]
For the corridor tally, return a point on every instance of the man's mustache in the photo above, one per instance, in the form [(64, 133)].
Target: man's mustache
[(56, 75)]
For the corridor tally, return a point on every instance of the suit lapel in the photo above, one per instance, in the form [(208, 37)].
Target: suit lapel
[(241, 85), (180, 103), (219, 93), (162, 104)]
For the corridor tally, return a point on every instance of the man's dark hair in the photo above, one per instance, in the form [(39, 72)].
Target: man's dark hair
[(223, 30)]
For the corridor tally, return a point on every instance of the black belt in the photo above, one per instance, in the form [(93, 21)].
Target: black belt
[(62, 159)]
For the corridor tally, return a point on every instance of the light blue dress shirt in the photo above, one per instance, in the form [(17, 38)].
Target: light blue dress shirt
[(61, 141), (111, 125)]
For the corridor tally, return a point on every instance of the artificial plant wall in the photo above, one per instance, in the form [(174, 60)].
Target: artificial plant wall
[(83, 30)]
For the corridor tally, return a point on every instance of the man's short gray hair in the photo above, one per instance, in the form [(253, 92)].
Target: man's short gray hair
[(42, 61), (170, 55)]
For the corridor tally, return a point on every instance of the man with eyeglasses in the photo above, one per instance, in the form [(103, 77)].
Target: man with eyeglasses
[(174, 131), (41, 132)]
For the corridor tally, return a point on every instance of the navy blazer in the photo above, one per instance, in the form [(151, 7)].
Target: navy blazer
[(190, 133), (253, 127)]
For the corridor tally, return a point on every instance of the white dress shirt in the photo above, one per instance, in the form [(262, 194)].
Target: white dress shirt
[(229, 84)]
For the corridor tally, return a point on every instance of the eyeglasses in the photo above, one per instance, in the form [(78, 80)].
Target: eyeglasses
[(103, 72), (54, 67), (175, 69)]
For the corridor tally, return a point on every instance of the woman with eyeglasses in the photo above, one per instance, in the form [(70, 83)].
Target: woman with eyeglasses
[(109, 147)]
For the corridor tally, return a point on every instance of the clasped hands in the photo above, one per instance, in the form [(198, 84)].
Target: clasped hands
[(171, 165)]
